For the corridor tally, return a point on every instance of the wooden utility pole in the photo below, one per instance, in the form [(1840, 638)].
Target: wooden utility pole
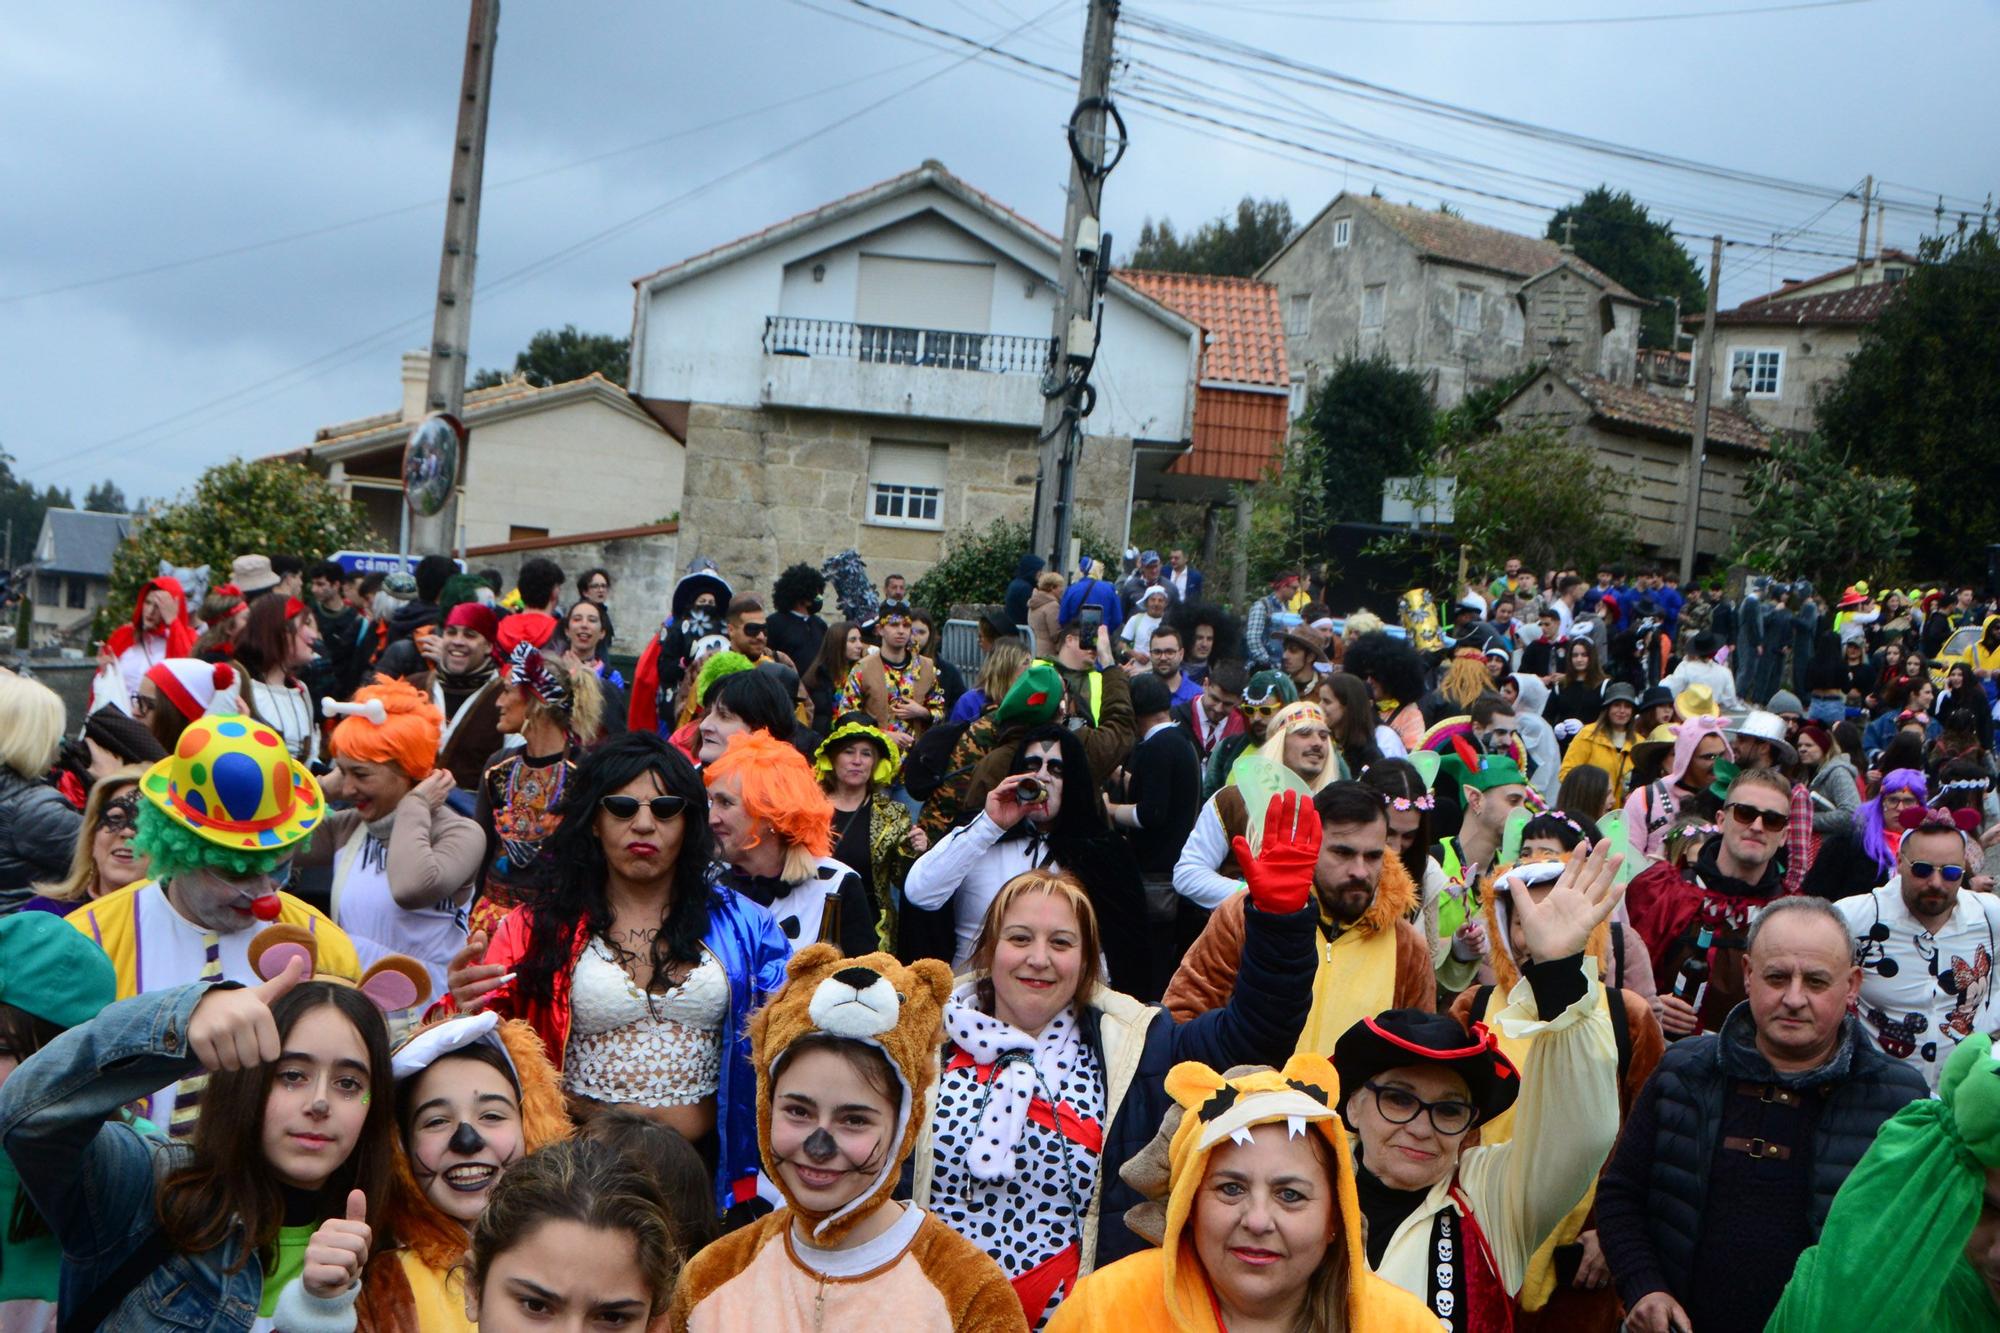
[(1062, 427), (1861, 246), (451, 330), (1697, 450)]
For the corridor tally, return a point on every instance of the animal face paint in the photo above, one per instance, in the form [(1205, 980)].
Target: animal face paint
[(463, 1129), (830, 1131)]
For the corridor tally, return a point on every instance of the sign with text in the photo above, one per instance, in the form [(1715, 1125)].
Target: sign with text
[(380, 562)]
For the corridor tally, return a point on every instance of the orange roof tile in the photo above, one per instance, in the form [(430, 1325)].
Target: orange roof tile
[(1240, 315)]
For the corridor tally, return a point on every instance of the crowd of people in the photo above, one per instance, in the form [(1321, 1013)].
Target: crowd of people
[(375, 954)]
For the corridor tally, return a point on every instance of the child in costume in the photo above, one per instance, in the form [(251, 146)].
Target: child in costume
[(1259, 1211), (1913, 1238), (271, 1204), (845, 1054), (222, 817)]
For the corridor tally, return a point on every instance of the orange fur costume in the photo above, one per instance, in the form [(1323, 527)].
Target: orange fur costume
[(785, 1273)]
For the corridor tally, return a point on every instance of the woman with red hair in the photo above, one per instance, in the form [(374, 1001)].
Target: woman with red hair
[(404, 862), (773, 829)]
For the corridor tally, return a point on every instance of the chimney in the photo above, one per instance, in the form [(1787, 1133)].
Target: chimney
[(416, 384)]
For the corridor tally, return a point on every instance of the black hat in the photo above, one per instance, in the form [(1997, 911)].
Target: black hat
[(1397, 1038), (1656, 696), (125, 736)]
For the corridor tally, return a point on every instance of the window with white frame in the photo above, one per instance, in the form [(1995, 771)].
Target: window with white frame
[(1298, 396), (1766, 367), (1298, 314), (1467, 319), (905, 484), (1374, 305), (1343, 232)]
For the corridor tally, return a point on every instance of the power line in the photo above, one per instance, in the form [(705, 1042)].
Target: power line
[(1585, 21)]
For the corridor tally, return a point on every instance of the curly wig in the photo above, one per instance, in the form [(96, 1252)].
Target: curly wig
[(1228, 631), (171, 848), (1394, 666), (406, 739), (799, 583)]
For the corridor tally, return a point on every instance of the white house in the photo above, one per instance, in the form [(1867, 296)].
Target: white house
[(869, 373)]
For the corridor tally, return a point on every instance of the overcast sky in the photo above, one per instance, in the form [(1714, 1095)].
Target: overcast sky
[(142, 136)]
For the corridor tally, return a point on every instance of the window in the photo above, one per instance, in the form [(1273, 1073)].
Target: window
[(1343, 232), (517, 533), (76, 593), (1766, 366), (906, 485), (1298, 396), (48, 588), (1895, 273), (1298, 315), (1467, 320), (1374, 305)]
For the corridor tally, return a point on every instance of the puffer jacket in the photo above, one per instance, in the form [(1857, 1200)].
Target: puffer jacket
[(38, 831), (1837, 781)]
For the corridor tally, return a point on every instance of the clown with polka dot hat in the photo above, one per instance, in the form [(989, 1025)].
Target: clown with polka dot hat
[(222, 817)]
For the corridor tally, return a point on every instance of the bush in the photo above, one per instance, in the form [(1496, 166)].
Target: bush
[(978, 564)]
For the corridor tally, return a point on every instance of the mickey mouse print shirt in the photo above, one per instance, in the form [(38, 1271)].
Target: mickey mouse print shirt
[(1923, 993)]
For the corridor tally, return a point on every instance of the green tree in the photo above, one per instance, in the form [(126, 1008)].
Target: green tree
[(1223, 247), (1812, 513), (1615, 234), (979, 563), (106, 497), (1536, 494), (1920, 400), (557, 356), (235, 507), (1373, 420), (22, 507)]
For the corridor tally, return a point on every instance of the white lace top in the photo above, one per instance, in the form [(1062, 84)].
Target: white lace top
[(658, 1050)]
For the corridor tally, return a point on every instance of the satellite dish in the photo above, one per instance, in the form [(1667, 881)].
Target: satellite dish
[(431, 462)]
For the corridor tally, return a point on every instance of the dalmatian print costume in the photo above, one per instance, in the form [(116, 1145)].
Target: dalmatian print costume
[(1016, 1141)]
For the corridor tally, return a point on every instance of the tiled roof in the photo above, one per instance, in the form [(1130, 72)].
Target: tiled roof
[(1240, 316), (1850, 305), (1456, 239), (84, 541), (476, 400), (1660, 414), (1890, 255)]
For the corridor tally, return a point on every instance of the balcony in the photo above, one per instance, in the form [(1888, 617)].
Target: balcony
[(937, 374)]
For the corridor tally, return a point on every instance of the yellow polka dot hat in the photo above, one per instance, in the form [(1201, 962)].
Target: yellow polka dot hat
[(232, 782)]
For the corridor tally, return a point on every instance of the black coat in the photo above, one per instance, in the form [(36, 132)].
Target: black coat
[(38, 831), (1844, 868), (1164, 781)]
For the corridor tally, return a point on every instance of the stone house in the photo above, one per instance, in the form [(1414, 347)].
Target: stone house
[(1465, 303), (72, 572), (1645, 439), (868, 374), (1792, 344)]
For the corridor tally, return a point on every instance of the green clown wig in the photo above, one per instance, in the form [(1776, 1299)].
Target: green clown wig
[(172, 849)]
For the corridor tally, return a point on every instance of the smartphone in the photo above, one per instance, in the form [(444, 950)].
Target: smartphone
[(1092, 618)]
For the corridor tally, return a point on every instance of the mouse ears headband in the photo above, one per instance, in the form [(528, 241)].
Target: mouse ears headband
[(1931, 818), (392, 983)]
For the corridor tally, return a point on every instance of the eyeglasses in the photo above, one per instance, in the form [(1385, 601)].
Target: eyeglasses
[(1040, 764), (1400, 1107), (1775, 821), (753, 629), (142, 706), (627, 807), (1925, 870)]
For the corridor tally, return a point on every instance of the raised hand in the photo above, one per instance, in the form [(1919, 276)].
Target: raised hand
[(233, 1029), (1560, 924), (1001, 806), (473, 982), (337, 1251), (434, 788), (1281, 876)]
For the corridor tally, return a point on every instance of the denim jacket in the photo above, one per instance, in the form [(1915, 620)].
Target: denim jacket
[(94, 1179)]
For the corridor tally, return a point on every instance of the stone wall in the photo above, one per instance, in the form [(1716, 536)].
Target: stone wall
[(643, 562), (767, 487)]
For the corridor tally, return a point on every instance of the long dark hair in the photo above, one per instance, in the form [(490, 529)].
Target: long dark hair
[(577, 896), (227, 1181), (830, 668), (1356, 733), (262, 644), (1398, 779), (1082, 813)]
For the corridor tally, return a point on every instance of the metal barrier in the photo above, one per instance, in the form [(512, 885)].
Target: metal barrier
[(959, 645)]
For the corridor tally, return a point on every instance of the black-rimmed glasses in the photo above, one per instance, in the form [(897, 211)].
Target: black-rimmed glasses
[(1399, 1106)]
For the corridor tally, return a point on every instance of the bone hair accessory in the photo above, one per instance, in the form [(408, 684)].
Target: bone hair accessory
[(372, 710)]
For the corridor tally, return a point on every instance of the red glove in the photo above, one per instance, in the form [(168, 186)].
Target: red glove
[(1281, 879)]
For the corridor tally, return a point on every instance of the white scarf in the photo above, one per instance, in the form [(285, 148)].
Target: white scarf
[(1017, 1059)]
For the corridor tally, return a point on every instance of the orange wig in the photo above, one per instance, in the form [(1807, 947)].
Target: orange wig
[(778, 788), (407, 735)]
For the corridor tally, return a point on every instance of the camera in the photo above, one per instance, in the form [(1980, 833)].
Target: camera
[(1030, 791)]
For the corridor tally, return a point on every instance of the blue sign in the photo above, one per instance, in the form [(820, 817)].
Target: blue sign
[(380, 562)]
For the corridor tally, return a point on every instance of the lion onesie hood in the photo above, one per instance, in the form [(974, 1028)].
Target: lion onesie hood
[(792, 1270)]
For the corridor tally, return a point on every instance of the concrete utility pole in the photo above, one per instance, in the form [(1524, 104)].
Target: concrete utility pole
[(1861, 246), (1705, 365), (1062, 437), (451, 331)]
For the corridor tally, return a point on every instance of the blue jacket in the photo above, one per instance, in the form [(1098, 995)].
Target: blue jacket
[(94, 1179), (1098, 593)]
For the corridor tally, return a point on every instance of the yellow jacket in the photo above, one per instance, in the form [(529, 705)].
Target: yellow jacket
[(110, 921), (1594, 746)]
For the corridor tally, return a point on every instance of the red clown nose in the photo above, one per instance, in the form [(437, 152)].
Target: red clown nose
[(266, 908)]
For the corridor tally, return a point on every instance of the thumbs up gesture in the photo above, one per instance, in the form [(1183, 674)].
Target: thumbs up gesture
[(233, 1029), (337, 1251)]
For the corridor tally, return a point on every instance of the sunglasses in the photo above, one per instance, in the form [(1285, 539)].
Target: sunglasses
[(1400, 1108), (754, 628), (627, 807), (1263, 710), (1925, 870), (1775, 821)]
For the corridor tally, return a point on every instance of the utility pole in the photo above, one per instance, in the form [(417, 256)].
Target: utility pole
[(1062, 421), (1704, 369), (451, 330), (1861, 246), (1878, 240)]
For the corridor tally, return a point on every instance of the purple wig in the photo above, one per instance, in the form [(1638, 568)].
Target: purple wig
[(1868, 818)]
